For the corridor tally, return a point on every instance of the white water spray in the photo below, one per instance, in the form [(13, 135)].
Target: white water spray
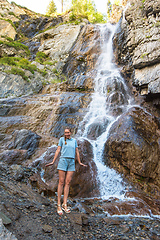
[(110, 95)]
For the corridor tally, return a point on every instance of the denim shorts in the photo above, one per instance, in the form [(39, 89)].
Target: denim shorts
[(66, 164)]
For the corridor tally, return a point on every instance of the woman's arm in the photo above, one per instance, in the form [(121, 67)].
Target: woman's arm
[(55, 156), (78, 158)]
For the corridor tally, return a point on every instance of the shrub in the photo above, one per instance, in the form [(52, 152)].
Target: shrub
[(17, 45), (17, 71), (55, 81), (25, 64), (11, 61), (19, 62), (43, 72), (48, 63), (54, 70), (41, 57)]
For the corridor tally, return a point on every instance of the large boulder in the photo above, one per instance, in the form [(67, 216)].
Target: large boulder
[(85, 182), (133, 148)]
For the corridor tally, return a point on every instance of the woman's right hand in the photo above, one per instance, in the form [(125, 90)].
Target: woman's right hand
[(49, 164)]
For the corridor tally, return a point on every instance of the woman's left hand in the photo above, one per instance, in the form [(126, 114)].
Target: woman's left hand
[(83, 165)]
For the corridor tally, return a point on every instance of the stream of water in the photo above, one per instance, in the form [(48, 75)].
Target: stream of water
[(110, 99)]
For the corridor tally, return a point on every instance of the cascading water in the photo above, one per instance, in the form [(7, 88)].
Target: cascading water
[(109, 100)]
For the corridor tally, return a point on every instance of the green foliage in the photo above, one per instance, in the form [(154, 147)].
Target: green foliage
[(17, 45), (11, 61), (41, 57), (51, 8), (56, 81), (19, 62), (54, 70), (12, 13), (109, 9), (43, 72), (48, 63), (85, 9), (25, 64), (117, 2), (18, 71)]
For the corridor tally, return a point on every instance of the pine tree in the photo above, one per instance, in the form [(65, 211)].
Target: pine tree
[(51, 8)]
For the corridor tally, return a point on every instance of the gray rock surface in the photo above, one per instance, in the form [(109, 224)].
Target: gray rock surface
[(58, 41), (25, 140), (14, 85), (5, 234), (138, 45)]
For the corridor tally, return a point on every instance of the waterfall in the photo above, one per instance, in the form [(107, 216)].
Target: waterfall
[(110, 99)]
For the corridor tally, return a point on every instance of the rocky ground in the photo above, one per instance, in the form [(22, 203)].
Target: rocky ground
[(29, 215)]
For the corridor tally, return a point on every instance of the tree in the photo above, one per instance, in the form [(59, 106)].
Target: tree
[(86, 9), (109, 8), (51, 8), (117, 2)]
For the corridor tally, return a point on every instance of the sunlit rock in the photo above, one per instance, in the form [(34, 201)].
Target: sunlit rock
[(6, 29)]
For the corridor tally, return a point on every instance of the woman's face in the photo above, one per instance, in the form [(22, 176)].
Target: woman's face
[(67, 133)]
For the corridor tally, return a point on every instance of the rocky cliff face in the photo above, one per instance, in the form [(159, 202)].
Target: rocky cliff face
[(42, 100), (23, 74), (137, 47)]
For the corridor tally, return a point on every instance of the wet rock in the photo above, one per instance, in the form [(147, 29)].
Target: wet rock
[(25, 139), (97, 128), (70, 112), (42, 187), (133, 148), (84, 182)]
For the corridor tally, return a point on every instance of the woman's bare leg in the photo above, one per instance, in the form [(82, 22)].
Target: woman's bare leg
[(60, 186), (66, 187)]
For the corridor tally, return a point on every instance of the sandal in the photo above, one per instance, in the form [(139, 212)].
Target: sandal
[(60, 212), (66, 210)]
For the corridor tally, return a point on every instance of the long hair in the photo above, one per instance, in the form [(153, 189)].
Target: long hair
[(65, 136)]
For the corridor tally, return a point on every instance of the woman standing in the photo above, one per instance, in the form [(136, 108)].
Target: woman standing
[(66, 166)]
